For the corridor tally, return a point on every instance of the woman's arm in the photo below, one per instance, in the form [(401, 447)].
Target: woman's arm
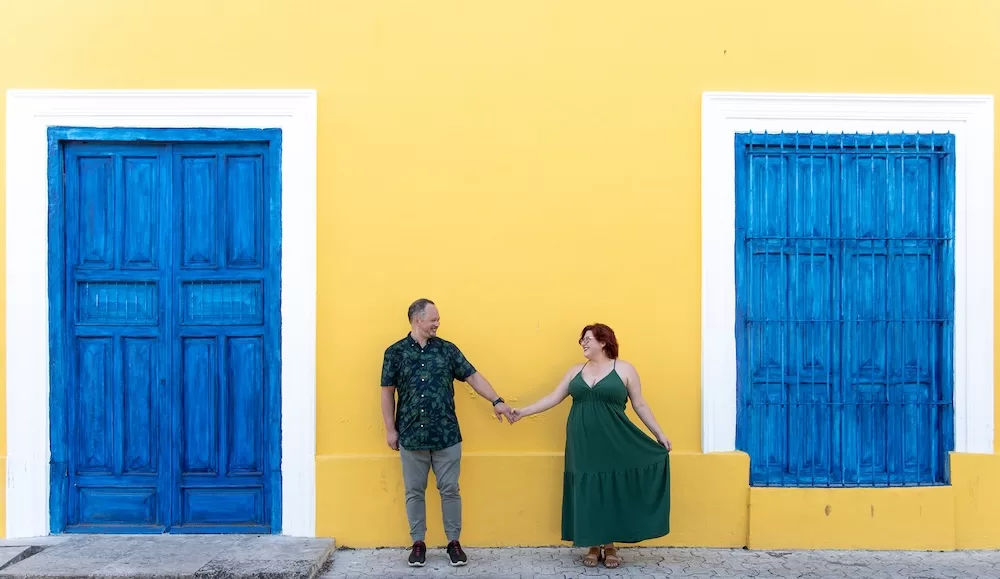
[(634, 387), (551, 399)]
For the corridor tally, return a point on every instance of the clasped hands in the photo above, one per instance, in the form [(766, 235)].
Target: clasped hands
[(502, 410), (511, 414)]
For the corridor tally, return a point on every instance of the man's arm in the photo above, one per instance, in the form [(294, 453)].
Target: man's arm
[(483, 387), (389, 416), (463, 370), (390, 376)]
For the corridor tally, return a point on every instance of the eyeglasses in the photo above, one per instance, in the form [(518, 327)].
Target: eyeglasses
[(586, 341)]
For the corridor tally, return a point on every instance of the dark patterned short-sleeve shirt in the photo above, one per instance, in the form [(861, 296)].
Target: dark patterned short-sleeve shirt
[(424, 380)]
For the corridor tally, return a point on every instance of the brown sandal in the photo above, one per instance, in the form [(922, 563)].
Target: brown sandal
[(592, 557), (611, 558)]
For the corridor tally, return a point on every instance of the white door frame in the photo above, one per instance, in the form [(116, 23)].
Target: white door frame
[(29, 114)]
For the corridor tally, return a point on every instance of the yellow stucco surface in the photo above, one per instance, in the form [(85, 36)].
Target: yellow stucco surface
[(976, 481), (897, 518), (532, 167), (502, 497)]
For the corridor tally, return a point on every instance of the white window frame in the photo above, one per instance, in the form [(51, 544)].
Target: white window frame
[(968, 117), (29, 114)]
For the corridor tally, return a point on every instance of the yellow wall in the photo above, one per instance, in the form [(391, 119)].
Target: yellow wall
[(555, 145)]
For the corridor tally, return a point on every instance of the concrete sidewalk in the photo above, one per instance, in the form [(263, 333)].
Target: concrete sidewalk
[(164, 557), (269, 557), (663, 563)]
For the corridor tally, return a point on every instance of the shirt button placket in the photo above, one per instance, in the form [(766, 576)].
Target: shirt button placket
[(423, 381)]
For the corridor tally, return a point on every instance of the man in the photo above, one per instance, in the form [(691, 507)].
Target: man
[(420, 369)]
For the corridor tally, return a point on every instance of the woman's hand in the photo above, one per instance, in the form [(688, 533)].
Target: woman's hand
[(664, 442), (515, 415)]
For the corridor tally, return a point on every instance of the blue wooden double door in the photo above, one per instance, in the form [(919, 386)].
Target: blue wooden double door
[(167, 356)]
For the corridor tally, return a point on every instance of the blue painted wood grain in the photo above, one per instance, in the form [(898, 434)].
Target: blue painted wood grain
[(165, 362), (845, 307)]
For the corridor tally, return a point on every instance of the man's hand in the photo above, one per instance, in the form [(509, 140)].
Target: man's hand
[(502, 411), (392, 439)]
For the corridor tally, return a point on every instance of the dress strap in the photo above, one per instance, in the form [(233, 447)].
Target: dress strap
[(614, 364)]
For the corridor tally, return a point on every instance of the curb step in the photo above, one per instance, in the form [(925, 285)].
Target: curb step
[(168, 557)]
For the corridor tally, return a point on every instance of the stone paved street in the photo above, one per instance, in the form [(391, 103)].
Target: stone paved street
[(648, 563)]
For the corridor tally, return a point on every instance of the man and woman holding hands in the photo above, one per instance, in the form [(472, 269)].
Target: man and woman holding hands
[(616, 484)]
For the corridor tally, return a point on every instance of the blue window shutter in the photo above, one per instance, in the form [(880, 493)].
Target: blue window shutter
[(844, 270)]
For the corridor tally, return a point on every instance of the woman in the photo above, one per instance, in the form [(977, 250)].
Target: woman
[(616, 484)]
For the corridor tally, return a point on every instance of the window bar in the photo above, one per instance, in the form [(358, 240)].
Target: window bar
[(811, 221), (923, 327), (855, 316), (828, 313), (772, 415), (794, 302), (919, 325), (871, 338), (763, 418), (782, 414), (926, 326), (829, 364), (933, 413), (838, 360), (750, 321), (901, 395), (888, 359)]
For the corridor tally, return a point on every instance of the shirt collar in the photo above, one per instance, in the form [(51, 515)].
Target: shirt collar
[(410, 339)]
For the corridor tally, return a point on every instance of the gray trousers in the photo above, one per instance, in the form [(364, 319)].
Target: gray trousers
[(447, 465)]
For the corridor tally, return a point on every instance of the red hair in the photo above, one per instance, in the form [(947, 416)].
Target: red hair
[(606, 336)]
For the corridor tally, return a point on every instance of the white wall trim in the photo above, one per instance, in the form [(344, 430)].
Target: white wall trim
[(29, 114), (970, 118)]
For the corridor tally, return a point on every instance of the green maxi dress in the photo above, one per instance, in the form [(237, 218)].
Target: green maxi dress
[(616, 485)]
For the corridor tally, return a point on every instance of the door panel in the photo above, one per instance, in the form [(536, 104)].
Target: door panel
[(221, 343), (119, 474)]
